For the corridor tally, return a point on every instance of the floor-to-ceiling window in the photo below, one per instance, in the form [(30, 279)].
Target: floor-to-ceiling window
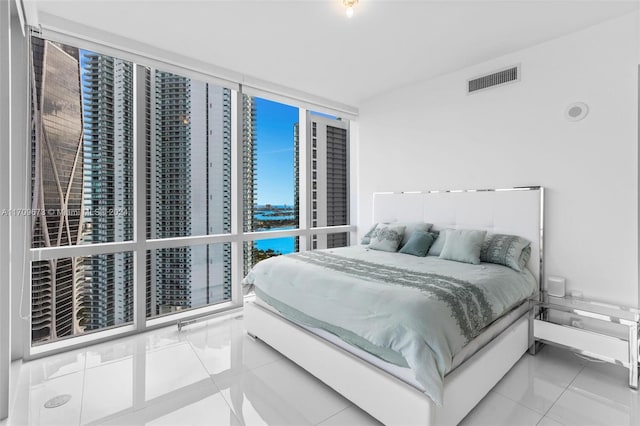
[(299, 158), (153, 191), (189, 191), (270, 177), (82, 190)]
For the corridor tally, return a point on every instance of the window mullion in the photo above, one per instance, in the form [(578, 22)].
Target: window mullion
[(304, 180), (237, 208), (140, 207)]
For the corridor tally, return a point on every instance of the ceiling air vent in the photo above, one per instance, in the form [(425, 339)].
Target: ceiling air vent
[(498, 78)]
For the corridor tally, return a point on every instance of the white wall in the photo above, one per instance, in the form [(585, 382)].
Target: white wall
[(433, 136), (5, 134)]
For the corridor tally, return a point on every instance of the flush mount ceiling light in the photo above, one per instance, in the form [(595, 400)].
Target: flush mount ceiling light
[(349, 4)]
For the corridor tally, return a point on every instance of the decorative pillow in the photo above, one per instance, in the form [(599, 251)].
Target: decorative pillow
[(438, 243), (463, 245), (418, 244), (367, 237), (524, 257), (410, 228), (386, 237), (507, 250)]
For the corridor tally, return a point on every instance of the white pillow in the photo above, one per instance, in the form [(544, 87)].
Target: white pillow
[(438, 244), (463, 245)]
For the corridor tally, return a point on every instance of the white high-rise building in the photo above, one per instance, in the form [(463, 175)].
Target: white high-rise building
[(108, 187), (191, 187)]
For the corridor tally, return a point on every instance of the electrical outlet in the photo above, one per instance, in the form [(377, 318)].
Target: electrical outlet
[(576, 322)]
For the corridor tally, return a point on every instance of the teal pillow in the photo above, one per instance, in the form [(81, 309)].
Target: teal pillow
[(438, 243), (418, 244), (507, 250), (386, 237), (367, 237), (463, 245), (410, 228)]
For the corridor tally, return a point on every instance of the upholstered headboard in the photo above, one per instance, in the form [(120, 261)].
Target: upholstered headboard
[(515, 211)]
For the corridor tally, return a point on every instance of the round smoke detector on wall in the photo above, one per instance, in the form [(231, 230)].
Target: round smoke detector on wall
[(576, 111)]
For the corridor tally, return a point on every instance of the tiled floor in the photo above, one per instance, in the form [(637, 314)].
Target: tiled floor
[(212, 373)]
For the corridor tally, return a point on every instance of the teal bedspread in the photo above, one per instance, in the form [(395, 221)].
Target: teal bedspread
[(410, 311)]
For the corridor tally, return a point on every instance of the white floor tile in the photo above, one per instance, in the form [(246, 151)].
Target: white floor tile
[(115, 351), (212, 410), (108, 390), (352, 416), (127, 347), (171, 368), (166, 336), (578, 408), (497, 410), (598, 396), (255, 403), (197, 404), (295, 389), (538, 381), (548, 421), (55, 366), (226, 349), (40, 393), (608, 381)]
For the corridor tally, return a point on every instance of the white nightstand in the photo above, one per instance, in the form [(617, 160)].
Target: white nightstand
[(598, 330)]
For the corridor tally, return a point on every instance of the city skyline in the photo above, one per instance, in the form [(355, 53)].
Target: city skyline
[(83, 182), (82, 175)]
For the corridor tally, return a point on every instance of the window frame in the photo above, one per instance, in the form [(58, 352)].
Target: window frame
[(140, 244)]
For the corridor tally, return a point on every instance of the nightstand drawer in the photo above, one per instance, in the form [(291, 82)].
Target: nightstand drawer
[(590, 342)]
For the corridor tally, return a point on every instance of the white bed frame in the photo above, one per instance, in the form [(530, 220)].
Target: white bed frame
[(517, 211)]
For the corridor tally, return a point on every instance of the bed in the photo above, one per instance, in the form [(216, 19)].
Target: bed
[(324, 324)]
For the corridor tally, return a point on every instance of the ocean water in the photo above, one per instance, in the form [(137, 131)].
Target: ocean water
[(283, 245), (267, 216)]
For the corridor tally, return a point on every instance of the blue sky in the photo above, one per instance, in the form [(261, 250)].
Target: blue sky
[(274, 122)]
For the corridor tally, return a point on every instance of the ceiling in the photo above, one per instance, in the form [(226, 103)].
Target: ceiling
[(311, 46)]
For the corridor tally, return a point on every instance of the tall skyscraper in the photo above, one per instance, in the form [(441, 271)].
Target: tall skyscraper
[(191, 186), (249, 168), (336, 203), (296, 181), (108, 126), (327, 140), (57, 189)]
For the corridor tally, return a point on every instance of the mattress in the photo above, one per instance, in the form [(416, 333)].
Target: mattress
[(403, 373)]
